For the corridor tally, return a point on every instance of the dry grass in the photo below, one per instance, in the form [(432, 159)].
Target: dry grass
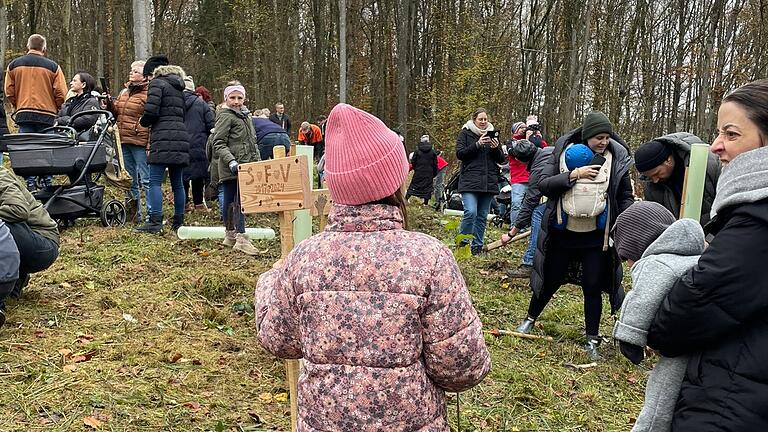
[(141, 332)]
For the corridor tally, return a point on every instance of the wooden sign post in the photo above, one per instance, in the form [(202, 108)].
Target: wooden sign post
[(278, 185)]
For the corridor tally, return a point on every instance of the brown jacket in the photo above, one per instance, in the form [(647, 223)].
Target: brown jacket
[(36, 87), (128, 108)]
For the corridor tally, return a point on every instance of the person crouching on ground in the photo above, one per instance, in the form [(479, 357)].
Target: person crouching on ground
[(659, 250), (376, 311), (234, 135), (36, 235)]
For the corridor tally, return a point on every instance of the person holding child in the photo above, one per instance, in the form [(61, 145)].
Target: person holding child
[(716, 311), (573, 238), (381, 315)]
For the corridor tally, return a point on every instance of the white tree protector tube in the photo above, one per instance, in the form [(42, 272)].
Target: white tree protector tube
[(217, 232)]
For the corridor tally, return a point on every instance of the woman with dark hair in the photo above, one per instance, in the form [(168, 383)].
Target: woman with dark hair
[(376, 311), (82, 85), (572, 244), (716, 311), (480, 157), (206, 95)]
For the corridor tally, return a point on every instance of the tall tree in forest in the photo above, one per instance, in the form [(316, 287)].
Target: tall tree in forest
[(142, 29)]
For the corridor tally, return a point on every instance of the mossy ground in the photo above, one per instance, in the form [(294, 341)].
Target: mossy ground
[(142, 332)]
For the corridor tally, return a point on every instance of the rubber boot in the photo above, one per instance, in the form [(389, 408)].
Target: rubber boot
[(526, 326), (229, 238), (178, 221), (591, 347), (153, 226), (244, 245)]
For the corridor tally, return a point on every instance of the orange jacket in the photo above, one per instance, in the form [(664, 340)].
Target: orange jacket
[(314, 136), (128, 108), (36, 87)]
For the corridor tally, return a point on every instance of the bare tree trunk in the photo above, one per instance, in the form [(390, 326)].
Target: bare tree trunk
[(142, 30), (343, 51), (402, 24), (3, 34)]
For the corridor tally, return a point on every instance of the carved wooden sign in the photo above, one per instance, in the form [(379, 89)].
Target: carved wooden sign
[(275, 185), (321, 202)]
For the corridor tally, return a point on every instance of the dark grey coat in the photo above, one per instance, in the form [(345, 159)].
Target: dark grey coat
[(620, 196), (536, 167), (680, 144)]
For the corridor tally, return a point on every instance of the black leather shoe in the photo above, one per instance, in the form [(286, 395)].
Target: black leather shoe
[(526, 326)]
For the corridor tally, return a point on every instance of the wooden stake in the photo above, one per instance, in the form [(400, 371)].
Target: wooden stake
[(291, 366), (682, 197), (278, 151), (498, 332), (498, 243)]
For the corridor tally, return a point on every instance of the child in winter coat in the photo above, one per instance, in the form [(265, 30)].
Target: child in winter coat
[(659, 250), (234, 142), (381, 315)]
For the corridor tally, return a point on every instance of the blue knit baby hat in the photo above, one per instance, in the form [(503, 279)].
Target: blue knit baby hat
[(577, 156)]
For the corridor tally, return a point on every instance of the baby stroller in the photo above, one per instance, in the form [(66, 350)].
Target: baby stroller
[(451, 196), (58, 150)]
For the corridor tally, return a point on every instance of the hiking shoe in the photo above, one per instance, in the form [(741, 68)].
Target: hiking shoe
[(244, 245), (522, 271), (229, 238), (591, 347), (526, 326)]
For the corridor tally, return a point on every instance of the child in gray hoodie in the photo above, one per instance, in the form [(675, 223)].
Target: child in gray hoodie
[(659, 250)]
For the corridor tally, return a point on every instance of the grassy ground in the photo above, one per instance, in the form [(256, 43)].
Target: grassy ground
[(132, 332)]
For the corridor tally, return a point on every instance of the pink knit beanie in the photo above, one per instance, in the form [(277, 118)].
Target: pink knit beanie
[(364, 160)]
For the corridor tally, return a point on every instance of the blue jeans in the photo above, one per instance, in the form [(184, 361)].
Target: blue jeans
[(476, 207), (230, 193), (155, 195), (221, 202), (536, 216), (34, 128), (135, 158), (268, 143), (516, 200)]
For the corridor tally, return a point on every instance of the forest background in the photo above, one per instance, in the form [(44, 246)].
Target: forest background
[(423, 66)]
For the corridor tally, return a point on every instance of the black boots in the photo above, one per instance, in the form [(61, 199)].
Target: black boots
[(526, 326), (178, 221), (153, 226)]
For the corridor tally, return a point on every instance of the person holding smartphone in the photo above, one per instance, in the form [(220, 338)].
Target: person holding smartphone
[(573, 247), (478, 149)]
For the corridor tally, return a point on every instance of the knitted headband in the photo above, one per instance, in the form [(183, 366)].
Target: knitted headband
[(233, 88)]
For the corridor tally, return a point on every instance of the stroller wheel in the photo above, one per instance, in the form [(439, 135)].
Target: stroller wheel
[(113, 214)]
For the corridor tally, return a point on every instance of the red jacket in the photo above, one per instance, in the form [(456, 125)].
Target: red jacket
[(518, 171)]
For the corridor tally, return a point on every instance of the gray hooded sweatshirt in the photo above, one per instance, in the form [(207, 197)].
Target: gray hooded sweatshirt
[(676, 250), (9, 258)]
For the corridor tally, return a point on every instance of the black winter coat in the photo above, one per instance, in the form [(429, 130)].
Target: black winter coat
[(680, 143), (536, 168), (284, 122), (620, 196), (164, 114), (718, 313), (424, 162), (479, 165), (77, 104), (199, 121)]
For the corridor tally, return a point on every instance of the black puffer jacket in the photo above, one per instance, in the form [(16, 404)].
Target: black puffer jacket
[(555, 184), (717, 312), (680, 143), (424, 163), (537, 168), (164, 114), (199, 121), (479, 165), (78, 104)]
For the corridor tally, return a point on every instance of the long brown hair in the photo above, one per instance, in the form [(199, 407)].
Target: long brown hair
[(397, 200)]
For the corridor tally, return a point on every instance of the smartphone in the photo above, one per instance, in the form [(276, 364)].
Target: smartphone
[(597, 159), (492, 134)]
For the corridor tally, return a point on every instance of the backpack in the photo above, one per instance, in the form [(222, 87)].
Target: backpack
[(584, 207)]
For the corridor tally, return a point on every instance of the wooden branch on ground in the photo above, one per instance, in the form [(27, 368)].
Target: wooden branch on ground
[(498, 332)]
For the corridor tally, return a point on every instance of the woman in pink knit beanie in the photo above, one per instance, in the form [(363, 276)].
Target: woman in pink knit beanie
[(381, 315)]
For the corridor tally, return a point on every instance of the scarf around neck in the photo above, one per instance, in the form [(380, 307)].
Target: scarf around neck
[(474, 129), (743, 180)]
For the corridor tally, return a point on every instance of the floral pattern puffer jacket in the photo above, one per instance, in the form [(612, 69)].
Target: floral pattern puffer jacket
[(383, 320)]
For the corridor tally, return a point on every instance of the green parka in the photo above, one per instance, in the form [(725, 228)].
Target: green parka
[(233, 139), (18, 205)]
